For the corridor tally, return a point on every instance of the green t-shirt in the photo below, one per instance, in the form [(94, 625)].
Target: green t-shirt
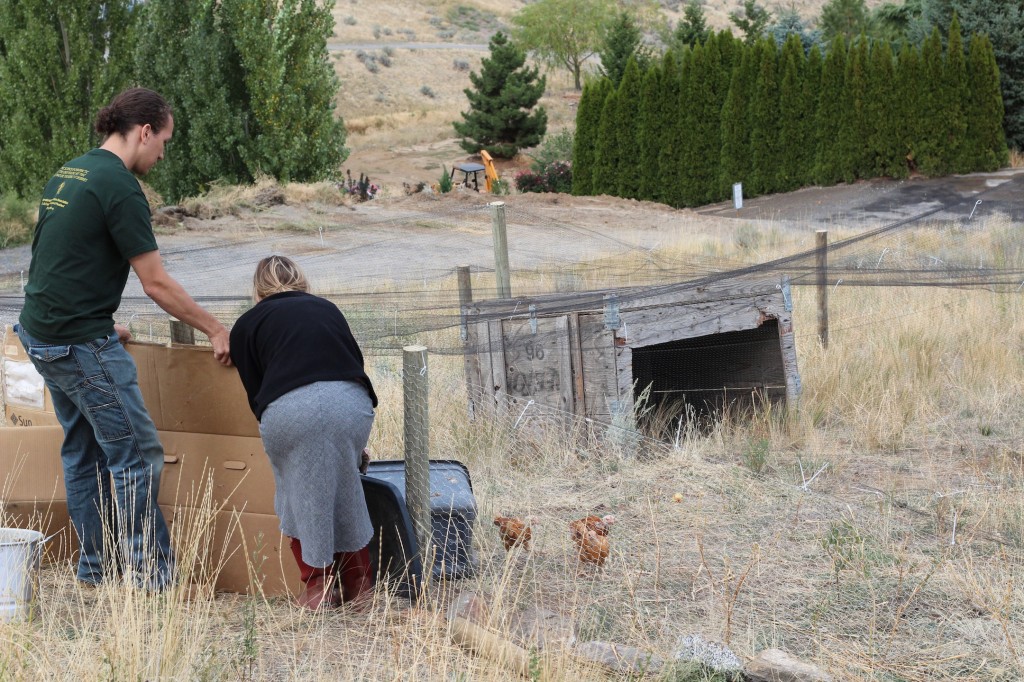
[(93, 218)]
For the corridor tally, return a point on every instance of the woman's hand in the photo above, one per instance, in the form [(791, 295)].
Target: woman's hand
[(364, 461)]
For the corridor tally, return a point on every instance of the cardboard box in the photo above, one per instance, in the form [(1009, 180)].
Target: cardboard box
[(233, 469), (185, 389), (24, 416), (30, 466)]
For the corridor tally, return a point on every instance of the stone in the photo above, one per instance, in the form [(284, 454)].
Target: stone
[(712, 655), (471, 606), (619, 657), (543, 629), (775, 665)]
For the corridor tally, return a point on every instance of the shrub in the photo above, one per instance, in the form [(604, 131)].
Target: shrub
[(17, 220), (556, 147), (555, 177), (426, 90), (460, 65), (350, 20), (445, 183)]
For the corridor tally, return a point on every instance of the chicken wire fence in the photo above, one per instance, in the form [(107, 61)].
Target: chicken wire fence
[(953, 241)]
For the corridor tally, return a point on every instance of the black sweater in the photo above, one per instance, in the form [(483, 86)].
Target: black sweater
[(292, 339)]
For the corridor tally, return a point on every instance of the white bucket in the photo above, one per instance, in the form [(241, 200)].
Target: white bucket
[(21, 552)]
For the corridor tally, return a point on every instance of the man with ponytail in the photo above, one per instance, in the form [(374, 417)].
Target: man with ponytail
[(94, 224)]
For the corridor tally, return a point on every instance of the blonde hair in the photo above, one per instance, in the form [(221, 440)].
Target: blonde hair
[(275, 274)]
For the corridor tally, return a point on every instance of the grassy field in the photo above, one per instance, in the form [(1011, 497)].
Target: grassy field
[(875, 531)]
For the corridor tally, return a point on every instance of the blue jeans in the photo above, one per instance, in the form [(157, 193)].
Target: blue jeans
[(109, 438)]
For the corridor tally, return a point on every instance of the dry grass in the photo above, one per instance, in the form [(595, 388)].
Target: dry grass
[(900, 560)]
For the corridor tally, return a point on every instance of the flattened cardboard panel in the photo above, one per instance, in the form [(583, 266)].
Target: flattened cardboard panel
[(186, 390), (237, 467), (22, 384), (23, 416), (30, 466)]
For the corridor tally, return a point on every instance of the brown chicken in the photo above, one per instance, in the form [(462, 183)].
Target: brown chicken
[(591, 536), (514, 531)]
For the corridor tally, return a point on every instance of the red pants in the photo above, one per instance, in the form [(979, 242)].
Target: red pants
[(352, 569)]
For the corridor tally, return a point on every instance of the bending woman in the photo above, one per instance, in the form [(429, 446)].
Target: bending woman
[(303, 372)]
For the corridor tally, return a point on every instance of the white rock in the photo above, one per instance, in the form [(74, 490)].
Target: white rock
[(775, 665)]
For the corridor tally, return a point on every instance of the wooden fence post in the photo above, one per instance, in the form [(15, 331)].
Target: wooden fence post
[(821, 270), (501, 269), (182, 333), (468, 337)]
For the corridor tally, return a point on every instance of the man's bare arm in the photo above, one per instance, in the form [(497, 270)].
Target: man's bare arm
[(167, 293)]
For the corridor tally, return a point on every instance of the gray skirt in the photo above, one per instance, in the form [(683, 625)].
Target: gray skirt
[(314, 437)]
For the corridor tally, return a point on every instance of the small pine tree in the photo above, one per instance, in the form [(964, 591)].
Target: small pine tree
[(830, 114), (985, 143), (764, 130), (502, 118), (622, 43), (588, 120), (692, 29), (752, 22)]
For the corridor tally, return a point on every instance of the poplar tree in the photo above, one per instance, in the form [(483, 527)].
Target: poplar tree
[(791, 116), (502, 117), (588, 121), (985, 143), (830, 114), (764, 130), (59, 63)]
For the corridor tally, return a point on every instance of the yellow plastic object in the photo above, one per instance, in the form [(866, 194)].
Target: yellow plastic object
[(490, 175)]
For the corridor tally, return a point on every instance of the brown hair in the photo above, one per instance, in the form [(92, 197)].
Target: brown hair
[(136, 106), (275, 274)]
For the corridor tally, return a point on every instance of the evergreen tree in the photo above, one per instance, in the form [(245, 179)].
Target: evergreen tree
[(764, 129), (666, 168), (649, 134), (855, 134), (848, 18), (622, 43), (830, 114), (955, 99), (909, 117), (753, 22), (683, 128), (735, 156), (791, 117), (606, 159), (985, 143), (789, 22), (883, 120), (588, 121), (931, 108), (729, 47), (501, 116), (810, 144), (675, 135), (627, 131), (59, 63), (707, 91), (692, 29)]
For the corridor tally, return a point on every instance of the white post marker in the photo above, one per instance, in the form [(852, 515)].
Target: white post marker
[(737, 195)]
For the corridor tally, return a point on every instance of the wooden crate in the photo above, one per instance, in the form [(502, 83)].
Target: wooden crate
[(713, 345)]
